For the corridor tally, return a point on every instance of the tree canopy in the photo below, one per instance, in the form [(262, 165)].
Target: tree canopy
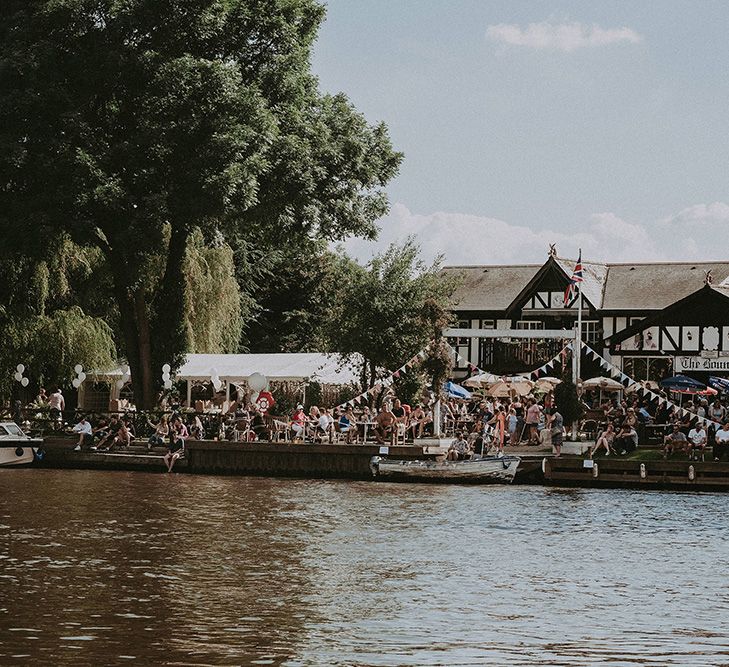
[(127, 125)]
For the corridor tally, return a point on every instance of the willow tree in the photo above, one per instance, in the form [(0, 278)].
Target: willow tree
[(129, 124), (43, 327)]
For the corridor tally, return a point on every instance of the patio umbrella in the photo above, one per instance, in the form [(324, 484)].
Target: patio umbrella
[(683, 383), (722, 384), (643, 384), (456, 391), (602, 383), (505, 388), (481, 380), (547, 383)]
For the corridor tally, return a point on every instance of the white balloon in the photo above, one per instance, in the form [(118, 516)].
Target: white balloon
[(20, 368), (76, 383), (217, 384), (78, 368), (25, 382), (257, 382), (82, 376), (165, 377), (166, 368), (168, 384), (18, 376)]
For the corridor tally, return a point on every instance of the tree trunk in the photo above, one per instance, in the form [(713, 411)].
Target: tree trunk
[(145, 376), (170, 323), (131, 337)]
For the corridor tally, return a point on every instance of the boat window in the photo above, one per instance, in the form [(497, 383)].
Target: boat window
[(3, 430), (12, 429)]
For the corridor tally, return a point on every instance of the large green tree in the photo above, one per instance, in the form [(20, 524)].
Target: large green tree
[(129, 124)]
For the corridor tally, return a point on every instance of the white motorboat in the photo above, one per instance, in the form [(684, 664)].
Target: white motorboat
[(16, 448), (484, 470)]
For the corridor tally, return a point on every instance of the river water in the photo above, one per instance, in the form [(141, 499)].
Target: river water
[(102, 568)]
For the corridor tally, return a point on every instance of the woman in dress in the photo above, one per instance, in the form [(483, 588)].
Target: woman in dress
[(606, 439)]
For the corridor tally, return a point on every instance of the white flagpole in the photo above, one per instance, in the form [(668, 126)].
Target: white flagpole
[(578, 351)]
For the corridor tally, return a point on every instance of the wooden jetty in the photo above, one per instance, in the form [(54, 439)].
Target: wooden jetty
[(237, 458), (631, 473)]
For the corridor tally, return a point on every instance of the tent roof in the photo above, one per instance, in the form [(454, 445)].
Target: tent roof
[(321, 367)]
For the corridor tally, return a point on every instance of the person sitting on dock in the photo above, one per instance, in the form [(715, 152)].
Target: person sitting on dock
[(107, 438), (298, 423), (676, 439), (627, 440), (176, 447), (161, 431), (85, 434), (418, 420), (721, 442), (460, 449), (606, 439), (384, 425), (697, 442), (346, 424)]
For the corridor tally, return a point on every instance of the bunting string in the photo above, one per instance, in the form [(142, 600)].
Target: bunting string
[(651, 395)]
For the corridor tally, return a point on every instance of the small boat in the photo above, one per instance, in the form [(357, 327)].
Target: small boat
[(16, 448), (485, 470)]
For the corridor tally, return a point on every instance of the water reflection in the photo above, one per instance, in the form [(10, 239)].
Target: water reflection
[(103, 568)]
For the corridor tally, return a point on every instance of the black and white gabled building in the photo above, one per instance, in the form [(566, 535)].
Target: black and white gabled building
[(644, 317)]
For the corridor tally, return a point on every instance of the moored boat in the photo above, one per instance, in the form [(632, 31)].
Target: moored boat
[(485, 470), (16, 448)]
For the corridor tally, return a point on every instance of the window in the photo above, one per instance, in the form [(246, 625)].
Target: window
[(591, 331), (488, 324), (462, 345), (529, 324), (647, 368)]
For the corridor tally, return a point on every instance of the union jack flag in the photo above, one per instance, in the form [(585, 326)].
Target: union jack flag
[(569, 292)]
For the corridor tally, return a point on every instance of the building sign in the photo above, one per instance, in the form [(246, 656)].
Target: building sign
[(688, 364)]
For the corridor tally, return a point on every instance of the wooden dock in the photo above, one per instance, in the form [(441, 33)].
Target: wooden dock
[(627, 473), (236, 458)]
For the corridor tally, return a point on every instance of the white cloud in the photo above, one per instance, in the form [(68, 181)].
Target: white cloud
[(700, 215), (472, 239), (560, 36)]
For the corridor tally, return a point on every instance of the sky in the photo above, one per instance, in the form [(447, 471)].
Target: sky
[(592, 125)]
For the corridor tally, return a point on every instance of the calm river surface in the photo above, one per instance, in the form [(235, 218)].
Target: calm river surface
[(100, 568)]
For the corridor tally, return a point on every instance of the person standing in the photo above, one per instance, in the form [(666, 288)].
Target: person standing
[(556, 426), (533, 415), (57, 404)]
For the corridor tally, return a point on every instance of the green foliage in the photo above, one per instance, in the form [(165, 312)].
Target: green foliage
[(213, 299), (567, 401), (389, 310), (127, 125), (409, 386)]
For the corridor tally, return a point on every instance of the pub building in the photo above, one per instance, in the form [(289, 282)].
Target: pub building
[(650, 319)]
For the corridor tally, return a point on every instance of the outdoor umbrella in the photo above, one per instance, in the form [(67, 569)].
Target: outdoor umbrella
[(481, 380), (547, 383), (456, 391), (504, 388), (683, 383), (722, 384), (602, 383)]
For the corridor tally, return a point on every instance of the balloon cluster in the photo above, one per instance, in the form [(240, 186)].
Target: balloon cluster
[(166, 378), (217, 382), (80, 376), (127, 374), (19, 370)]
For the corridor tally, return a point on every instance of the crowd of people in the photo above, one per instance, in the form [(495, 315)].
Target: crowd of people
[(477, 425)]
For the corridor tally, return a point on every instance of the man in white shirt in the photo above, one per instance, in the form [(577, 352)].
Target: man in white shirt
[(56, 403), (85, 436), (697, 441), (721, 440)]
